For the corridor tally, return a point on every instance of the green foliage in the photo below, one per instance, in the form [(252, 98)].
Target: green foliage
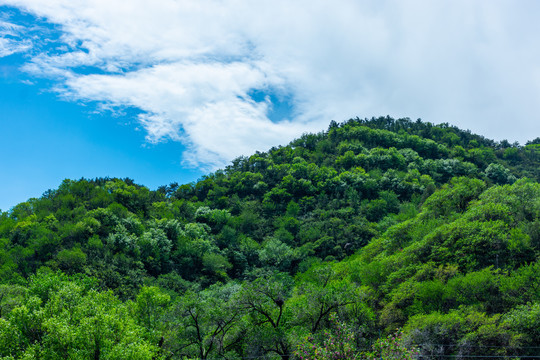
[(499, 174), (71, 260), (321, 291), (150, 304), (391, 347), (206, 324), (335, 344), (66, 318), (386, 222)]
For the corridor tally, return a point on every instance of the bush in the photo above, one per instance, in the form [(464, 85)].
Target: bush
[(391, 347), (336, 344)]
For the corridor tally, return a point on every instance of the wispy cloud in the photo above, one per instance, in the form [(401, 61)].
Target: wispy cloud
[(206, 106), (10, 39), (190, 66)]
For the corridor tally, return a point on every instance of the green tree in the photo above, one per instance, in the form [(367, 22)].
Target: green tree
[(206, 324), (337, 343), (264, 301)]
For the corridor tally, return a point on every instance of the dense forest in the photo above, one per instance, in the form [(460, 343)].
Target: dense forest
[(375, 237)]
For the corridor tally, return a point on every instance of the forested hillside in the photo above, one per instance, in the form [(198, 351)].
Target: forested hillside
[(324, 245)]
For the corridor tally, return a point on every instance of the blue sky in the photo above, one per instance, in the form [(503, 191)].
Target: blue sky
[(44, 140), (169, 90)]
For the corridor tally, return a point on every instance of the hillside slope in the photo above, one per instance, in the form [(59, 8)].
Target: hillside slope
[(387, 223)]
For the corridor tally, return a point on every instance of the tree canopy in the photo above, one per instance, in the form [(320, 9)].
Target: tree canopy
[(351, 234)]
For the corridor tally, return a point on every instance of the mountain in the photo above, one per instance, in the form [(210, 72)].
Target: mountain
[(349, 234)]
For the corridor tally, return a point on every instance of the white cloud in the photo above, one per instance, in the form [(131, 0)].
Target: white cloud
[(10, 42), (204, 105), (190, 65)]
